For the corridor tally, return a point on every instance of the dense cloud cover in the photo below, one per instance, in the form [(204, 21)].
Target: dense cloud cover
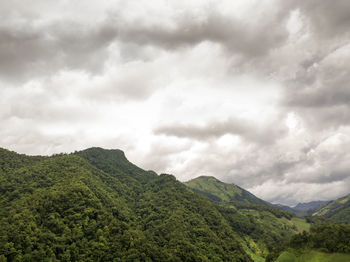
[(255, 93)]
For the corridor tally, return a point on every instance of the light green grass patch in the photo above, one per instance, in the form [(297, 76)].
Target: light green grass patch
[(300, 224), (313, 256)]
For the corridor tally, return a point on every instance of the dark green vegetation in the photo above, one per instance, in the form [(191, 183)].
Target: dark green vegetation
[(338, 210), (325, 242), (95, 205), (259, 225)]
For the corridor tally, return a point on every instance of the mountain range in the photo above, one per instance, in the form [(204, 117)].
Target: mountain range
[(95, 205), (303, 209)]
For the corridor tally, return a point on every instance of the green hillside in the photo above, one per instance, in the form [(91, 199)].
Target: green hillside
[(338, 210), (259, 225), (324, 242), (95, 205), (218, 191)]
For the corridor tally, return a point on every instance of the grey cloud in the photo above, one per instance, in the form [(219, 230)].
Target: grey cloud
[(266, 134), (28, 50), (328, 18), (161, 155), (235, 35), (311, 67), (320, 92)]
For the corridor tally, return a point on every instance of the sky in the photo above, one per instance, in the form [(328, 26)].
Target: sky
[(253, 92)]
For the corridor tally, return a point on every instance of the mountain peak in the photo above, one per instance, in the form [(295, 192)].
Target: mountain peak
[(218, 191), (205, 178)]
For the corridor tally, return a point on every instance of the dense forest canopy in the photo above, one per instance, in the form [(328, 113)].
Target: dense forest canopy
[(94, 205)]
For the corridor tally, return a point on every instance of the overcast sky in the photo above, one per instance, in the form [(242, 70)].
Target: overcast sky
[(254, 92)]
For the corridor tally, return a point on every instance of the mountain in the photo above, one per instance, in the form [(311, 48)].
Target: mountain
[(308, 208), (285, 208), (259, 225), (302, 209), (338, 210), (218, 191), (309, 205), (94, 205)]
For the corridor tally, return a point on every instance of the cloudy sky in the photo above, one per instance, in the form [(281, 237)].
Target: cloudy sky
[(254, 92)]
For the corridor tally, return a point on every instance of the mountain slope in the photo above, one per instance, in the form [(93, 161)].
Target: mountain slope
[(338, 210), (284, 208), (310, 205), (324, 242), (303, 209), (259, 225), (218, 191), (95, 205)]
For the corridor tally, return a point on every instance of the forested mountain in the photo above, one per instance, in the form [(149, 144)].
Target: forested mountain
[(259, 225), (95, 205), (338, 210)]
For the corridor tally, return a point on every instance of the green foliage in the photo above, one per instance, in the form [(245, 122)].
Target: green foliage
[(327, 238), (95, 205), (287, 257), (259, 225)]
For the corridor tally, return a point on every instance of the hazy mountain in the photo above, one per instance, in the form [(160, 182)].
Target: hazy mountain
[(302, 209), (308, 208), (284, 208)]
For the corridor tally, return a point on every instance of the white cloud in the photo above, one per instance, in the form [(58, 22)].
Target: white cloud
[(252, 92)]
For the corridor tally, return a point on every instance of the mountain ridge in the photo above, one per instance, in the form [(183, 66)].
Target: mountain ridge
[(338, 210), (94, 205)]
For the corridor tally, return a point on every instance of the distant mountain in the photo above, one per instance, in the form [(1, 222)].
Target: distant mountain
[(285, 208), (259, 225), (338, 210), (302, 209), (309, 207), (95, 205)]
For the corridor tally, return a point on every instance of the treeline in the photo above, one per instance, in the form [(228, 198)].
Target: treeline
[(330, 238), (327, 237)]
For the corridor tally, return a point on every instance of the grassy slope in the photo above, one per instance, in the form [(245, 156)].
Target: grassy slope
[(301, 224), (313, 256), (218, 191), (338, 210)]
